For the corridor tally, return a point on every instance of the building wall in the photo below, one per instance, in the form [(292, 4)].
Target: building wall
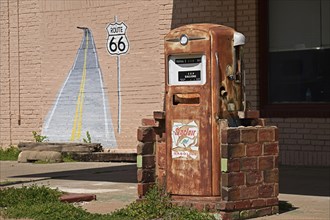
[(20, 78), (304, 141), (48, 42)]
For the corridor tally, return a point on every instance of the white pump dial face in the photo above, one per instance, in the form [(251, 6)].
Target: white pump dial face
[(187, 70)]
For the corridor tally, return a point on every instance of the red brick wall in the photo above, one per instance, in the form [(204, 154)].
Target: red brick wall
[(49, 42), (249, 177), (151, 152), (250, 173)]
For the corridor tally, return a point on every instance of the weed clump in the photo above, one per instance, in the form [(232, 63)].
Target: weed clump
[(39, 138), (40, 203), (156, 205), (10, 153)]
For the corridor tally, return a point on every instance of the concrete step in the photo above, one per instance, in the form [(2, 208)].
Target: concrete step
[(105, 157), (59, 147)]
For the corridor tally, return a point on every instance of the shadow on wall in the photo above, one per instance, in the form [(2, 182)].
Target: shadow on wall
[(200, 11), (305, 180)]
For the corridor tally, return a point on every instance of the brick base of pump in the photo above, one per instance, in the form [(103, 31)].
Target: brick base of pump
[(249, 168)]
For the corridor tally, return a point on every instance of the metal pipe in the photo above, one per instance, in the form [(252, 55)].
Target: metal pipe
[(9, 76), (223, 92), (18, 67), (119, 89)]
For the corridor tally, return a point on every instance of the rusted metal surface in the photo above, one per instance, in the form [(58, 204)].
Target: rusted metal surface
[(192, 111)]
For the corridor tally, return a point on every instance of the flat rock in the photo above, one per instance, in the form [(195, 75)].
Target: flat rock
[(104, 157), (60, 147), (32, 156)]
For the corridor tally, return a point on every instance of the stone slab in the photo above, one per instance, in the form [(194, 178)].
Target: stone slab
[(60, 147), (32, 156), (104, 157)]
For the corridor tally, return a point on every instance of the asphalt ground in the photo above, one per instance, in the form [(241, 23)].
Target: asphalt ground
[(115, 185)]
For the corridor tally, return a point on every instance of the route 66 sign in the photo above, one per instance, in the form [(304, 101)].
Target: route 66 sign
[(117, 40)]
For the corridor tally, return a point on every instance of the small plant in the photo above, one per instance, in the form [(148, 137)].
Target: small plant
[(68, 157), (88, 138), (156, 205), (10, 153), (38, 137)]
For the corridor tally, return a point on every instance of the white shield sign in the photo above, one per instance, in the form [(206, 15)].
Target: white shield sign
[(117, 43)]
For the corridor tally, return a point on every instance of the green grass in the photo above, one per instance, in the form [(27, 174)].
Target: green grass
[(41, 203), (10, 153), (67, 157)]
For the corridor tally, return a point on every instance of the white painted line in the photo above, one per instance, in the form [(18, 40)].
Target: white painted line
[(104, 107), (106, 125)]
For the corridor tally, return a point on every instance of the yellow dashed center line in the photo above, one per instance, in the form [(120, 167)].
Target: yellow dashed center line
[(77, 122)]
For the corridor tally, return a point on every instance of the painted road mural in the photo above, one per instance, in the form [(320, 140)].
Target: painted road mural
[(82, 104)]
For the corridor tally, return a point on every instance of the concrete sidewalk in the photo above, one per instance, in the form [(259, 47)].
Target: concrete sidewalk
[(114, 185)]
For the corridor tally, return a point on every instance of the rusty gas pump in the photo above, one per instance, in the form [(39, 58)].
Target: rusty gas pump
[(204, 83), (206, 149)]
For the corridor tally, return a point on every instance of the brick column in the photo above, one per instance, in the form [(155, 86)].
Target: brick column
[(249, 165), (151, 153), (249, 168)]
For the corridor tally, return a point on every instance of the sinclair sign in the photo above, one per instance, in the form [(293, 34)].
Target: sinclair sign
[(185, 140)]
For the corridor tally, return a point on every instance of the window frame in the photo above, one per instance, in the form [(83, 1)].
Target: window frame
[(268, 109)]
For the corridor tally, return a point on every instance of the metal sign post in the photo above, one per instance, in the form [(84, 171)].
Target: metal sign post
[(117, 44)]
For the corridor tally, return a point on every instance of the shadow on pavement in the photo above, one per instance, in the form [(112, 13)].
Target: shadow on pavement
[(313, 181), (123, 174), (285, 206), (305, 180)]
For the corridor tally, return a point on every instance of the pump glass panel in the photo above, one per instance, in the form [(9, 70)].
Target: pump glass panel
[(187, 70)]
